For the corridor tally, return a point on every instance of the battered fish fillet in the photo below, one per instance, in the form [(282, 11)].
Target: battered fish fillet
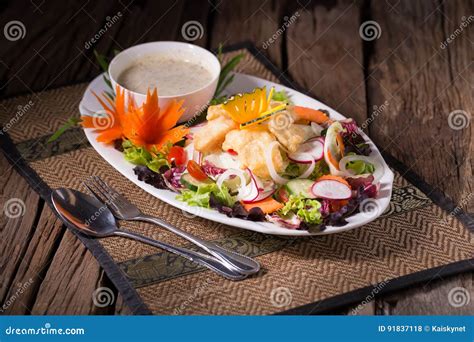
[(210, 137), (250, 145), (288, 133)]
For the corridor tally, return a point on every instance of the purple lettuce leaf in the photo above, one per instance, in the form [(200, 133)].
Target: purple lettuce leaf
[(150, 177), (237, 210), (338, 218)]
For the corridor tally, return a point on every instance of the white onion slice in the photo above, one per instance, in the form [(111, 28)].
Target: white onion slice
[(317, 129), (310, 168), (243, 188), (271, 168), (330, 144), (379, 168)]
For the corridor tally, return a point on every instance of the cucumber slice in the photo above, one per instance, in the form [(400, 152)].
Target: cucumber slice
[(300, 187), (192, 183)]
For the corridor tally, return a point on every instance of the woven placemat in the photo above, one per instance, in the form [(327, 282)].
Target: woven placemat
[(421, 235)]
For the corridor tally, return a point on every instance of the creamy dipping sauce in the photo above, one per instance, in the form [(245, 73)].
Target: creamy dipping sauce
[(171, 76)]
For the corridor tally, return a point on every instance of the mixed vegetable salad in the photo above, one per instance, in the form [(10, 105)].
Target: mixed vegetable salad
[(257, 157)]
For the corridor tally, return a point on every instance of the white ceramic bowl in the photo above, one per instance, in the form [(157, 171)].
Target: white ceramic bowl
[(195, 101)]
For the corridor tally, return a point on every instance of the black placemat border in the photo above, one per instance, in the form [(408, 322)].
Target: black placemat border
[(134, 301)]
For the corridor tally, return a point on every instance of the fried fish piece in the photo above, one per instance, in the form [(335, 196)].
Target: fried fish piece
[(210, 137), (288, 133), (251, 145)]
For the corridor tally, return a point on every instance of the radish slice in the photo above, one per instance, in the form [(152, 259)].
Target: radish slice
[(243, 188), (331, 189), (252, 191), (379, 168), (310, 151), (261, 196), (271, 168)]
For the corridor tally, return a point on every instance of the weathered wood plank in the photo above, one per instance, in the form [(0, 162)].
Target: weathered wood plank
[(422, 88), (34, 264), (19, 205), (257, 21), (121, 308), (451, 296), (56, 52), (50, 54), (71, 281), (190, 31), (325, 56)]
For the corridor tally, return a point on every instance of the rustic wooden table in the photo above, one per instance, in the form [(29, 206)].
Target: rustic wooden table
[(399, 65)]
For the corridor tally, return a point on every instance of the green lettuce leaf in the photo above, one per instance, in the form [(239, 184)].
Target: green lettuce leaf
[(308, 210), (359, 166), (281, 96), (201, 196), (140, 156), (320, 169)]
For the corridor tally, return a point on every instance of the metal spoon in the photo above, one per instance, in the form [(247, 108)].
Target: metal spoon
[(93, 218)]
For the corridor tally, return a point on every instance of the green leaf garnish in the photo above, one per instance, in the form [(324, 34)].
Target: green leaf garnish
[(71, 122)]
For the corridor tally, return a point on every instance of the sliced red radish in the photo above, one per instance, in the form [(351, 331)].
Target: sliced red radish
[(308, 151), (331, 189), (252, 190), (262, 195), (256, 190)]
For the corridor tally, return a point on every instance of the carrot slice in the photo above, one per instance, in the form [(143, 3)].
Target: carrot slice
[(305, 113), (333, 160), (334, 178), (336, 205), (340, 144), (268, 205)]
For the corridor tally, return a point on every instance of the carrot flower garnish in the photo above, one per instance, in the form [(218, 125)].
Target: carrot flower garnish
[(109, 122), (151, 127)]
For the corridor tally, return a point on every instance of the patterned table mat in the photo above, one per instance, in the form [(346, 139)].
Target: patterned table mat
[(414, 238)]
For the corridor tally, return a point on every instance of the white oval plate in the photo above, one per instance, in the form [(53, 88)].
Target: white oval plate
[(242, 83)]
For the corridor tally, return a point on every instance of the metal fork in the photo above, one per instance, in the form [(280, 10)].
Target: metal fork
[(123, 209)]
